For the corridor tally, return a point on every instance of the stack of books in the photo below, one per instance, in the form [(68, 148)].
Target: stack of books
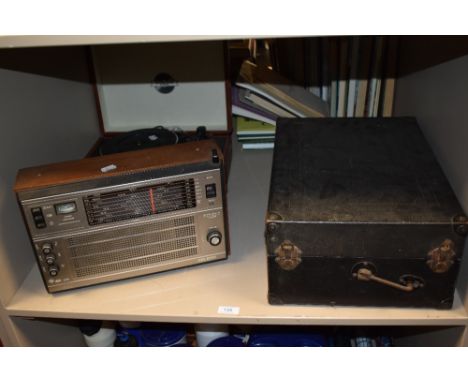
[(355, 75), (260, 96), (254, 134), (347, 76)]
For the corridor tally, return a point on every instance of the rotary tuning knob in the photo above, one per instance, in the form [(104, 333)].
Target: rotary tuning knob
[(214, 237), (46, 248)]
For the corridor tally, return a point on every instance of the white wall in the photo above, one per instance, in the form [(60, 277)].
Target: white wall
[(438, 98), (43, 119)]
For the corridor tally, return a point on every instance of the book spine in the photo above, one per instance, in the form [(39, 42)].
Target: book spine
[(271, 107), (333, 77), (352, 89), (365, 55), (378, 86), (390, 77), (342, 78), (248, 114), (374, 85), (265, 145), (325, 88), (312, 66)]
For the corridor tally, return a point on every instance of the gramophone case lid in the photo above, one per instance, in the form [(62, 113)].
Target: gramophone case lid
[(358, 170), (175, 85)]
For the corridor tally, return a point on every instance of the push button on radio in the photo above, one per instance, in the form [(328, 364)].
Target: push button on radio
[(38, 217), (210, 190)]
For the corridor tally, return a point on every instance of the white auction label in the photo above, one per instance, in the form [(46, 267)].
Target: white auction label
[(228, 310)]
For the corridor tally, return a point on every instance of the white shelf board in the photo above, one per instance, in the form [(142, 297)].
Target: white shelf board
[(195, 294), (55, 40)]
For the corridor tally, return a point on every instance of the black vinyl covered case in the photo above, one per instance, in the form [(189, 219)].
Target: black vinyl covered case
[(360, 213)]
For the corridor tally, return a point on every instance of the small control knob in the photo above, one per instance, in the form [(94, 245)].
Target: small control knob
[(46, 248), (53, 270), (214, 237), (50, 259)]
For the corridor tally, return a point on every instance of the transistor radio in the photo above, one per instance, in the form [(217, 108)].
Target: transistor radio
[(123, 215)]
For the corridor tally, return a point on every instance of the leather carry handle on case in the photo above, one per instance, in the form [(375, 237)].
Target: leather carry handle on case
[(409, 283)]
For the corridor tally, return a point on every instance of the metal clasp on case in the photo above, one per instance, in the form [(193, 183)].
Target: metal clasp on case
[(288, 256), (440, 259)]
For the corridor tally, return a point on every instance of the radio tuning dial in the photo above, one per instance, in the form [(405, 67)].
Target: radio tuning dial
[(46, 248), (214, 237), (53, 270)]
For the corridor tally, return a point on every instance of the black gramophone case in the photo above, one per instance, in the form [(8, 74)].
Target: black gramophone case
[(360, 213)]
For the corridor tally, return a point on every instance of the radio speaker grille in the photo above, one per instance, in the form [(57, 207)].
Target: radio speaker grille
[(133, 247)]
